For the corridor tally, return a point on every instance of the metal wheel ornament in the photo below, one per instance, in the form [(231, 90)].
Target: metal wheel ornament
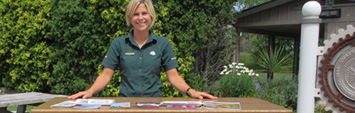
[(337, 72)]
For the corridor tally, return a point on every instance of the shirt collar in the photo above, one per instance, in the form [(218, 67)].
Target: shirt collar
[(152, 37)]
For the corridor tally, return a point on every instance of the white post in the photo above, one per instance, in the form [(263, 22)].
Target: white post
[(308, 56)]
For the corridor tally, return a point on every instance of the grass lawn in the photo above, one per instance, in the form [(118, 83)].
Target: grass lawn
[(277, 76), (14, 108)]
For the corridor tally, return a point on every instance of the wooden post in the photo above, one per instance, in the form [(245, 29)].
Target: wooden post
[(271, 47), (236, 55), (21, 109), (296, 58), (4, 110)]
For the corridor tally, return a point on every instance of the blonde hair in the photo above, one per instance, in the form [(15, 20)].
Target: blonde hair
[(132, 6)]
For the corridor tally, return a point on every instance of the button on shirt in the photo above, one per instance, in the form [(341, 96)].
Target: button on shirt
[(140, 67)]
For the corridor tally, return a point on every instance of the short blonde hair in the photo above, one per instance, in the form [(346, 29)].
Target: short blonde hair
[(132, 6)]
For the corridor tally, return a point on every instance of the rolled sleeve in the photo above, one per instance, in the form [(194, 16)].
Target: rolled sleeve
[(169, 59), (111, 59)]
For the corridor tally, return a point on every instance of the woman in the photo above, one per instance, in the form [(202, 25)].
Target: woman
[(140, 56)]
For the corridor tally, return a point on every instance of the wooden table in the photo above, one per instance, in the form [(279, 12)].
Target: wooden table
[(24, 99), (248, 105)]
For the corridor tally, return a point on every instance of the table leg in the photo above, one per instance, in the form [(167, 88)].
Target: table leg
[(4, 110), (21, 109)]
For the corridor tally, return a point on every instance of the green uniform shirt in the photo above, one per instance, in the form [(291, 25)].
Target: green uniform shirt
[(140, 67)]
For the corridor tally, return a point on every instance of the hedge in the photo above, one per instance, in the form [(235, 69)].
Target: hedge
[(57, 46)]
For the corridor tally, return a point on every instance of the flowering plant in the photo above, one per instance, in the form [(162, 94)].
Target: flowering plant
[(236, 81), (239, 69)]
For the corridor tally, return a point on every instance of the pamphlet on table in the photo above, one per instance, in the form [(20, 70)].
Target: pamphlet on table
[(121, 105), (221, 105), (95, 101), (98, 103), (65, 104)]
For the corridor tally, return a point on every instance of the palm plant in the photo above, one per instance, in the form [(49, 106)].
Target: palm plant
[(272, 61)]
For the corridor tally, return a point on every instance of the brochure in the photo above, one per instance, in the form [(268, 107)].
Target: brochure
[(180, 107), (147, 105), (121, 105), (65, 104), (221, 105), (181, 103), (89, 106), (95, 101)]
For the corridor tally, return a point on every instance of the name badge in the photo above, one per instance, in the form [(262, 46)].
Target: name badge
[(129, 53)]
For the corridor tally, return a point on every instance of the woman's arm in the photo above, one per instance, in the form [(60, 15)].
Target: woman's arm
[(180, 84), (100, 82)]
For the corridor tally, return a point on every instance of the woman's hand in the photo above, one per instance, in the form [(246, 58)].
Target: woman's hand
[(200, 95), (83, 94), (180, 84)]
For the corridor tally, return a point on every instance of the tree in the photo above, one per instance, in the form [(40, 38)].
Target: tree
[(245, 4), (198, 29)]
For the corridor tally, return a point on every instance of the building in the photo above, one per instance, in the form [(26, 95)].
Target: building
[(283, 18)]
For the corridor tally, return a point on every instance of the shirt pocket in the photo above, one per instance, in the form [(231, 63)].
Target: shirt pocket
[(154, 59), (128, 60)]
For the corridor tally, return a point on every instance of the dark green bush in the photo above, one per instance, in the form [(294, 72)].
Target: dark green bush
[(233, 85), (280, 92), (24, 49), (57, 46), (80, 32)]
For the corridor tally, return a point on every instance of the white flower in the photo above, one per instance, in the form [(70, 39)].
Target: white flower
[(229, 71), (225, 69), (234, 63), (222, 72), (230, 66), (237, 67)]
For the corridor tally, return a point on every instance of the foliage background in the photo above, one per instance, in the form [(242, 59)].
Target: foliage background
[(57, 46), (233, 85), (281, 92)]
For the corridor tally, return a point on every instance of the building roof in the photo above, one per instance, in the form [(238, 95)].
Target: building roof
[(282, 17)]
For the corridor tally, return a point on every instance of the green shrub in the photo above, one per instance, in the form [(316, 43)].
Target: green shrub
[(23, 47), (237, 83), (81, 32), (57, 46), (280, 92), (232, 85)]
